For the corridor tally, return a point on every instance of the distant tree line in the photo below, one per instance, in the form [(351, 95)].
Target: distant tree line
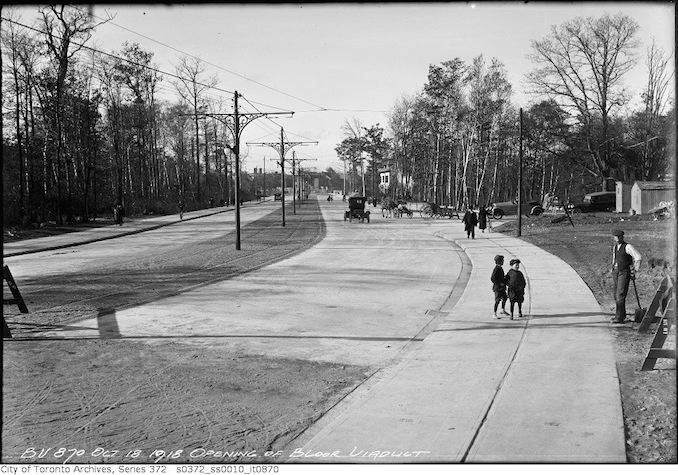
[(457, 141), (84, 130)]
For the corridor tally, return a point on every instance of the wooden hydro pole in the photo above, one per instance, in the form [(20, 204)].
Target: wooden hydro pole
[(236, 121), (295, 188), (282, 148), (520, 177)]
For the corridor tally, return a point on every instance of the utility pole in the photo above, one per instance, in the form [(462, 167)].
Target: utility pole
[(295, 162), (520, 177), (228, 180), (207, 165), (264, 177), (344, 160), (217, 166), (235, 122), (294, 185), (282, 148)]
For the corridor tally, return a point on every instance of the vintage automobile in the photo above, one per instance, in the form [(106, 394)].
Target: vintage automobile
[(498, 210), (356, 209), (600, 201)]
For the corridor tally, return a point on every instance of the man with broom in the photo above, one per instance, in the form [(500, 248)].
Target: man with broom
[(625, 263)]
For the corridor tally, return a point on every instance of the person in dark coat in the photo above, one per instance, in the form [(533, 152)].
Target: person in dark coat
[(625, 263), (117, 214), (470, 221), (515, 282), (499, 286), (482, 219)]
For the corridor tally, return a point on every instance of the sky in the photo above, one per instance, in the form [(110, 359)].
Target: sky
[(356, 59)]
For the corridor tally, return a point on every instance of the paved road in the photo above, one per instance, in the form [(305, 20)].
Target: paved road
[(359, 296), (411, 300)]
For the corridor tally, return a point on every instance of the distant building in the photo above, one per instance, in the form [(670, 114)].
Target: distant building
[(384, 179), (623, 191), (646, 195)]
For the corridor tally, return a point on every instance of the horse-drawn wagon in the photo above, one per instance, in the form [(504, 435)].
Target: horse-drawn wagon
[(393, 208), (433, 210)]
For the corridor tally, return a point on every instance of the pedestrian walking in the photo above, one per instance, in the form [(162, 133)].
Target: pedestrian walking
[(498, 279), (180, 206), (117, 214), (482, 219), (470, 221), (625, 263), (515, 283)]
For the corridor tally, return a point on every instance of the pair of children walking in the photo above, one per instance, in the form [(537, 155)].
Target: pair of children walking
[(513, 281)]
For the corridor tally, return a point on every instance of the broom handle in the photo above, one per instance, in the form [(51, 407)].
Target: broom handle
[(636, 290)]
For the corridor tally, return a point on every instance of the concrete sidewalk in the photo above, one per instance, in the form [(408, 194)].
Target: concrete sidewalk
[(89, 235), (539, 389)]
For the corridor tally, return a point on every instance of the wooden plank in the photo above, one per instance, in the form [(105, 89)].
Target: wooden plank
[(659, 297), (657, 353), (656, 350), (18, 299), (5, 329)]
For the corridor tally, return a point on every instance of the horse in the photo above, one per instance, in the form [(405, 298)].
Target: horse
[(387, 207)]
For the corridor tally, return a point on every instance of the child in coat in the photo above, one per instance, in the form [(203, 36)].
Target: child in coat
[(498, 279), (515, 281)]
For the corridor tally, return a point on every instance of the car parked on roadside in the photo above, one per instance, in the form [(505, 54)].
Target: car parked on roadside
[(500, 209), (600, 201)]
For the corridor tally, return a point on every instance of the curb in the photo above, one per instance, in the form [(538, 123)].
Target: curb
[(113, 236)]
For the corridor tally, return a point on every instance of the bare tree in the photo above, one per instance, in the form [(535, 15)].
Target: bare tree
[(656, 99), (66, 31), (191, 87), (13, 42), (581, 65)]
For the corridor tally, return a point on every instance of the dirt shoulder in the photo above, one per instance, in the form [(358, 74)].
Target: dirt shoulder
[(121, 401), (648, 397)]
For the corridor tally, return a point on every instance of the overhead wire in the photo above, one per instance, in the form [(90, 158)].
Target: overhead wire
[(321, 108), (120, 58), (252, 102), (167, 89)]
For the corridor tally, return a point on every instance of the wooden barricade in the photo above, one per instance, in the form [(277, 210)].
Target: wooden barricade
[(664, 300), (661, 299), (17, 299), (657, 349)]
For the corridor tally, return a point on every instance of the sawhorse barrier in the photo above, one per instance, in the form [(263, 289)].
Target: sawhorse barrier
[(664, 299), (17, 299)]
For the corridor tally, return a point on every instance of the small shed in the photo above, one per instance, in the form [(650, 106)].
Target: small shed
[(646, 195), (623, 191)]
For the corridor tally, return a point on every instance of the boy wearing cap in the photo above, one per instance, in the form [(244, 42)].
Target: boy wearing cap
[(515, 281), (499, 286), (625, 262)]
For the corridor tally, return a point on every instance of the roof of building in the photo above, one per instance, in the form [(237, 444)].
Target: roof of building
[(655, 185)]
